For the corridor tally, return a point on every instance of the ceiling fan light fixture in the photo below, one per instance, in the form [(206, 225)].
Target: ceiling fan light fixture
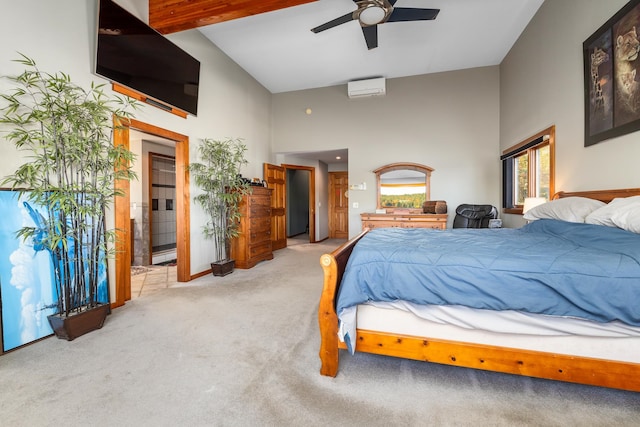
[(372, 15)]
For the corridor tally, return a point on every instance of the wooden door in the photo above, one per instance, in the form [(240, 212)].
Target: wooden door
[(276, 180), (338, 205)]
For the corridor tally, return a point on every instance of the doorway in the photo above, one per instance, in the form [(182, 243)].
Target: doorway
[(297, 205), (276, 178), (122, 209), (162, 215), (301, 200)]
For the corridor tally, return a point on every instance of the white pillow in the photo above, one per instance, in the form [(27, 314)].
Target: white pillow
[(628, 218), (570, 209), (604, 215)]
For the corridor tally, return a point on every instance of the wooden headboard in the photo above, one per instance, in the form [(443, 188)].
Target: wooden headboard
[(602, 195)]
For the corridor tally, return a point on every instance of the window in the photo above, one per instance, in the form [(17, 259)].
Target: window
[(403, 186), (528, 170)]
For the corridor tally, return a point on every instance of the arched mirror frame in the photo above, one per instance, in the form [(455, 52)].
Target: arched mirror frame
[(426, 170)]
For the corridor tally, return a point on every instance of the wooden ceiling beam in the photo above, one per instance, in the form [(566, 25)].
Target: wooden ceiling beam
[(170, 16)]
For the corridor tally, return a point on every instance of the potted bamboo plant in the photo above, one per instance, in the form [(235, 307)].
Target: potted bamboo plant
[(67, 184), (218, 176)]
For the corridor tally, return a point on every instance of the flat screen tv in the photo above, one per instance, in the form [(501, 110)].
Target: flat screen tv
[(134, 55)]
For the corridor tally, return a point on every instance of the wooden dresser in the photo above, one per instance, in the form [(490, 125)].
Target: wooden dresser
[(253, 244), (373, 220)]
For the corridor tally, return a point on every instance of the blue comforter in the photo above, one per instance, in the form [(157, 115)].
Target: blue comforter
[(546, 267)]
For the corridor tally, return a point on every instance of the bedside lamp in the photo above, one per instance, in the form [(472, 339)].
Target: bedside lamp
[(532, 202)]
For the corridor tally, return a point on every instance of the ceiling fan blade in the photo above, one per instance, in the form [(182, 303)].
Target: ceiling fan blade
[(412, 14), (371, 36), (334, 23), (392, 2)]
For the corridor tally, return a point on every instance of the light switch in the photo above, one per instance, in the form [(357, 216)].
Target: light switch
[(355, 205)]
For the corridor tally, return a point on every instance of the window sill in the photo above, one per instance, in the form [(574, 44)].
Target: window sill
[(514, 211)]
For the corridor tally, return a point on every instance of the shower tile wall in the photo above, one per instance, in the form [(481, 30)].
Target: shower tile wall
[(163, 194)]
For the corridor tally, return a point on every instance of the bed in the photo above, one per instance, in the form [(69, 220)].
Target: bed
[(601, 356)]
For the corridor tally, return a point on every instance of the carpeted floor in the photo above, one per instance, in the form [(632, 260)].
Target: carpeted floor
[(241, 350)]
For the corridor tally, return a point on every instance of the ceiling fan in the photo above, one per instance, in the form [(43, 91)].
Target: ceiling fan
[(370, 13)]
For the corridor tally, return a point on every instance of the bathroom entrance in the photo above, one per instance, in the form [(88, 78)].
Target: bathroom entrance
[(130, 205), (162, 216)]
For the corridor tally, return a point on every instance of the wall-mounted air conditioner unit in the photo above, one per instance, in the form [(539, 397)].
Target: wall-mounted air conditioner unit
[(369, 87)]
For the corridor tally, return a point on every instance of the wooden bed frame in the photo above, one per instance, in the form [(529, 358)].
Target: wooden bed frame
[(576, 369)]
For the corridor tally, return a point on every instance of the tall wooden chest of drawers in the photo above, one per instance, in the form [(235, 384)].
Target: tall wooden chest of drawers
[(253, 244)]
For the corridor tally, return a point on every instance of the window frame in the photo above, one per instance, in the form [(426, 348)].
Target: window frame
[(530, 147)]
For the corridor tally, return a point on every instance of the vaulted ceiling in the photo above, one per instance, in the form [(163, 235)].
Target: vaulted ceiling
[(272, 39)]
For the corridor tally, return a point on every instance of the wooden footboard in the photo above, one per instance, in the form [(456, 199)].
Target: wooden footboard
[(576, 369), (333, 265), (561, 367)]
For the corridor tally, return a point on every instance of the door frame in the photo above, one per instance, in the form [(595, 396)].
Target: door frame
[(122, 209), (312, 196)]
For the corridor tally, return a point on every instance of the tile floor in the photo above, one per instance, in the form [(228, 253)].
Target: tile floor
[(148, 279)]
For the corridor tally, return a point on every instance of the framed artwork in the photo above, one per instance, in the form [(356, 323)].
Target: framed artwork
[(612, 77), (27, 288)]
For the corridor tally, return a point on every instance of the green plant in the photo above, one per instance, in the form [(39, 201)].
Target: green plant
[(69, 172), (218, 176)]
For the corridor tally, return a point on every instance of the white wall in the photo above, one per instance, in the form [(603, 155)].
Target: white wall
[(448, 121), (60, 36), (541, 84)]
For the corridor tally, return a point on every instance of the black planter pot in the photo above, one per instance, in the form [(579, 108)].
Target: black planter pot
[(71, 327), (222, 268)]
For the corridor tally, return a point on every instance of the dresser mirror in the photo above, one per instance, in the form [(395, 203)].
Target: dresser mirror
[(403, 187)]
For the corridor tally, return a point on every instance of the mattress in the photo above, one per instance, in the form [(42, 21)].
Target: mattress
[(614, 341)]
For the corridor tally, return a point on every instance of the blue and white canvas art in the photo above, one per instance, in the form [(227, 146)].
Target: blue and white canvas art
[(26, 282), (27, 286)]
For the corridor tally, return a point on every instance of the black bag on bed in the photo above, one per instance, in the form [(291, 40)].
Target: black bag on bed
[(474, 216)]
